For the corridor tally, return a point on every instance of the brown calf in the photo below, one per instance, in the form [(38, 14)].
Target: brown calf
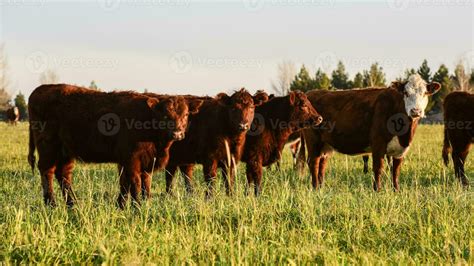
[(13, 115), (69, 122), (275, 121), (377, 121), (458, 131)]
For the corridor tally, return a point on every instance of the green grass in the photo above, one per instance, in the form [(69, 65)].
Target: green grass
[(430, 221)]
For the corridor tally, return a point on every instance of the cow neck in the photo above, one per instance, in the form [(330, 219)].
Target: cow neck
[(407, 138), (276, 117), (151, 132)]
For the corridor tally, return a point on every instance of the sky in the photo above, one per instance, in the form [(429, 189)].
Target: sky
[(205, 47)]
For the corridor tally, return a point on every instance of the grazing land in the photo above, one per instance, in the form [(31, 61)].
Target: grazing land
[(430, 221)]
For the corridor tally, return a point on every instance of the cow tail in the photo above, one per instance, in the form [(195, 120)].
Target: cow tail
[(446, 147), (31, 152)]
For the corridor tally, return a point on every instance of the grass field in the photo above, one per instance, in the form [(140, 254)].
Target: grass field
[(430, 221)]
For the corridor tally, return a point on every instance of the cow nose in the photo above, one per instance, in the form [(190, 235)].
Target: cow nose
[(319, 120), (178, 135), (244, 126), (415, 112)]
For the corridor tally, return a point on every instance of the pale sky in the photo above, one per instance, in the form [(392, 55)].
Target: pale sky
[(197, 47)]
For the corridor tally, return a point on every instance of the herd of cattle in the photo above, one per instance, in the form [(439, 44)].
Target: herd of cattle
[(146, 132)]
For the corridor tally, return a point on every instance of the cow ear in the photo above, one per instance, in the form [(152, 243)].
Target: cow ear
[(432, 88), (223, 98), (194, 105), (292, 97), (399, 86), (259, 98), (152, 102)]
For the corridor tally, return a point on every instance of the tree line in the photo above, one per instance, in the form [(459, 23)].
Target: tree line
[(460, 79)]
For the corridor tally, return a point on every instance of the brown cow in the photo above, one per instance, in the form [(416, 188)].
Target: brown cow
[(69, 122), (13, 115), (217, 129), (458, 131), (377, 121), (275, 121)]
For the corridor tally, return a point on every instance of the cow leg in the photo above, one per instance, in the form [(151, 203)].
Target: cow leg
[(313, 165), (366, 163), (250, 178), (187, 171), (323, 161), (63, 174), (254, 175), (210, 172), (396, 166), (146, 185), (459, 157), (170, 170), (228, 176), (377, 165), (47, 166), (124, 190)]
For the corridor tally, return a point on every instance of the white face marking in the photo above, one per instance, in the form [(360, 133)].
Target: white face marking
[(415, 95), (396, 150)]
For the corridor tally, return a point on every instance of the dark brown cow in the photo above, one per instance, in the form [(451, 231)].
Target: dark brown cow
[(458, 131), (275, 121), (218, 129), (69, 122), (13, 115), (377, 121)]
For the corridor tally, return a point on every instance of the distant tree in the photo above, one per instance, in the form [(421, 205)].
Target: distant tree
[(340, 78), (461, 77), (285, 75), (425, 71), (322, 80), (22, 107), (49, 77), (374, 77), (5, 96), (302, 81), (442, 76), (358, 81), (93, 86)]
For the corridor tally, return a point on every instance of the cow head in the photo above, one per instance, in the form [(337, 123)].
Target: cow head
[(415, 94), (302, 112), (239, 109), (173, 112)]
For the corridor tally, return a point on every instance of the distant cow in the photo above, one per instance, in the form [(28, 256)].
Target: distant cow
[(275, 121), (458, 130), (13, 115), (377, 121), (215, 136), (69, 122)]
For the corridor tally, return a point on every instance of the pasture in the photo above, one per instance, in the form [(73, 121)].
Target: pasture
[(430, 221)]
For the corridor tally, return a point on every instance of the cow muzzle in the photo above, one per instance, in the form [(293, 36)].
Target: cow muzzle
[(244, 126), (415, 113), (177, 135)]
